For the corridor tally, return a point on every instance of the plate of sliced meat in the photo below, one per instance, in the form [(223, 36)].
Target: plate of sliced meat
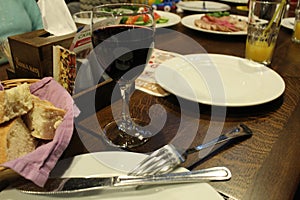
[(227, 25)]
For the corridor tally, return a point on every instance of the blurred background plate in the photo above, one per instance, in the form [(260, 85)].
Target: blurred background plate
[(288, 22), (197, 6), (173, 19), (84, 18)]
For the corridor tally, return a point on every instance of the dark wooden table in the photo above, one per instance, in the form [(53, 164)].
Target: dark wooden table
[(265, 166)]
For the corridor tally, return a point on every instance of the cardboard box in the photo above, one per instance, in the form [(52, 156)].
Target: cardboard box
[(32, 53)]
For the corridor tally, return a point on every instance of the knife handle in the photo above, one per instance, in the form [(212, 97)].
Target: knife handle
[(204, 175)]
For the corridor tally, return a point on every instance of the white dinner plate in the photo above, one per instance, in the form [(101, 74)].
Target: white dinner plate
[(220, 80), (173, 19), (189, 20), (115, 163), (288, 22), (197, 6)]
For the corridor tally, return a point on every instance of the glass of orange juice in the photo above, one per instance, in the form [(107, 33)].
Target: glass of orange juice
[(263, 28), (296, 33)]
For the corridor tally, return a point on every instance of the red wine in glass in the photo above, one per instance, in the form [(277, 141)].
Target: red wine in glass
[(126, 47), (123, 51)]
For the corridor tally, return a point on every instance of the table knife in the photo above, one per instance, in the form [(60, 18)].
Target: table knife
[(77, 184)]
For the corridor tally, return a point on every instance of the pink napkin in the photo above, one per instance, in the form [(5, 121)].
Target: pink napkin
[(37, 165)]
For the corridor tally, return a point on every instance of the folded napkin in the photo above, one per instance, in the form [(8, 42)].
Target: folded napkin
[(37, 165), (146, 81)]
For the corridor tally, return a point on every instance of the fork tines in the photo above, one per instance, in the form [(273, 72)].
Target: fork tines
[(160, 161)]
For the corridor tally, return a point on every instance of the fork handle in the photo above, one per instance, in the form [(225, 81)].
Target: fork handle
[(239, 131), (204, 175)]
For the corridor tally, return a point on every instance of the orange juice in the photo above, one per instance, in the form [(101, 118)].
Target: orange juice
[(296, 34), (259, 51)]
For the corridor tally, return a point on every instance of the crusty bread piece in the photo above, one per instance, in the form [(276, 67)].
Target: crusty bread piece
[(15, 140), (43, 119), (15, 102)]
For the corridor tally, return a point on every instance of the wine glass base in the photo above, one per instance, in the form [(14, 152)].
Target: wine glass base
[(118, 138)]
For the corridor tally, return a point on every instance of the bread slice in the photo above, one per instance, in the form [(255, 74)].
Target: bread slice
[(43, 119), (15, 102), (15, 140)]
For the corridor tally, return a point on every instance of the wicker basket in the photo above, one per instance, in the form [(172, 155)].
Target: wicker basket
[(14, 82)]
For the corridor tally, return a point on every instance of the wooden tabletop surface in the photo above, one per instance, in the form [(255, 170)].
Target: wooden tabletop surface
[(265, 166)]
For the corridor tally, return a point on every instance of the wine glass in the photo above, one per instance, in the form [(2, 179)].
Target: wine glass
[(123, 39)]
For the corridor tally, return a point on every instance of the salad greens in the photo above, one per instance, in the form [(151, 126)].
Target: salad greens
[(219, 14), (143, 19), (162, 20), (159, 19)]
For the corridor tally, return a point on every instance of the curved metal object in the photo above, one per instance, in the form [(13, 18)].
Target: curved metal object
[(168, 157)]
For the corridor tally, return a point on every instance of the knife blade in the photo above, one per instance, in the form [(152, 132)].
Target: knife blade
[(77, 184)]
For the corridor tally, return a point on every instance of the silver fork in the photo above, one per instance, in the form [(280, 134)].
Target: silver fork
[(168, 158)]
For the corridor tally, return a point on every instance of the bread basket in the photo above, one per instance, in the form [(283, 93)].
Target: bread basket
[(7, 175), (14, 82), (37, 165)]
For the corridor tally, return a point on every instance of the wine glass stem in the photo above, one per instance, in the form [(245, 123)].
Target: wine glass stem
[(126, 123)]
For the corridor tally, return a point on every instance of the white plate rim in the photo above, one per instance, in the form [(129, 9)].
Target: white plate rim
[(173, 19), (85, 162), (188, 21), (184, 5), (286, 22), (280, 85)]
